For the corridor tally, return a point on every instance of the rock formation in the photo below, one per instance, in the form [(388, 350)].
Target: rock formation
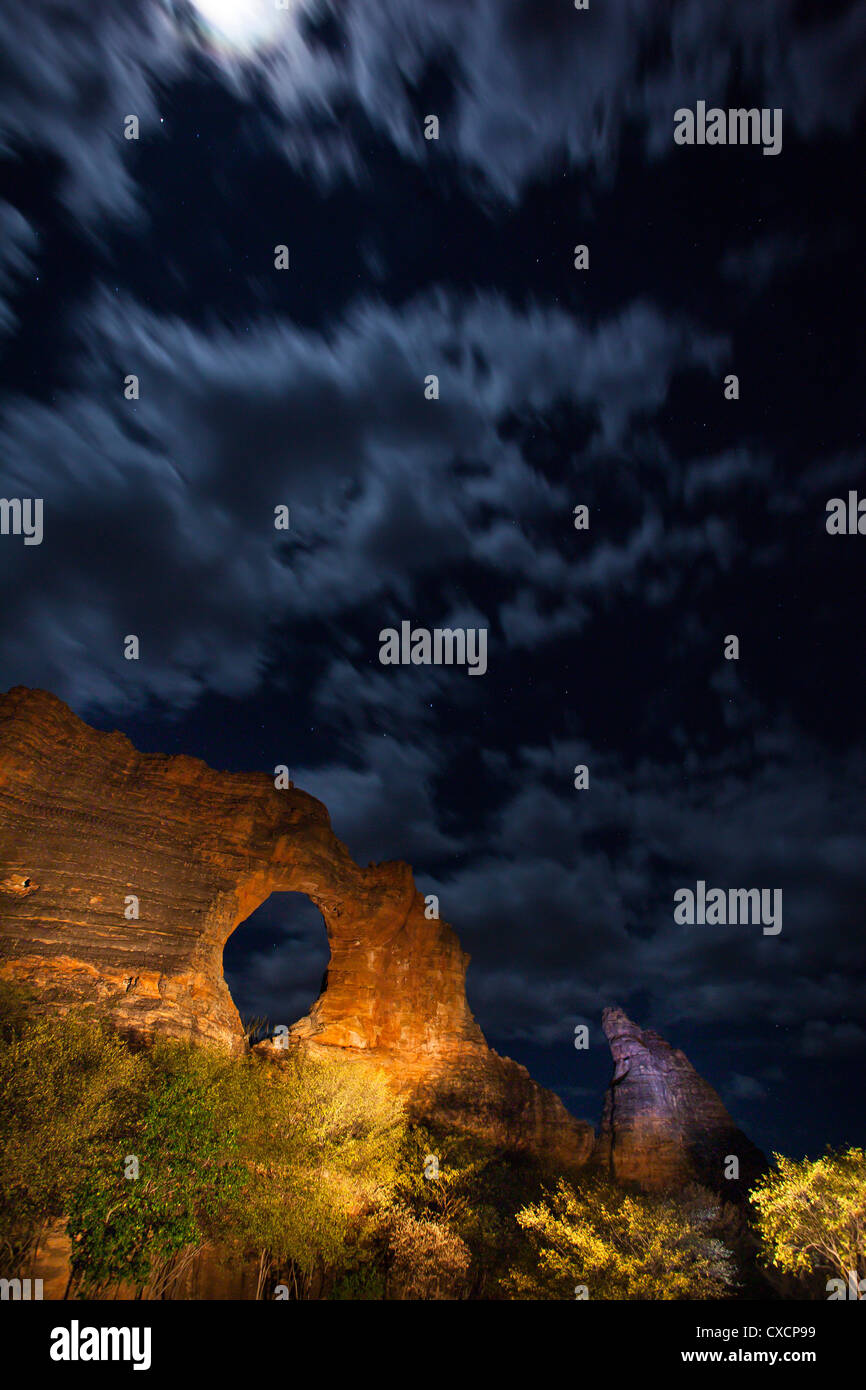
[(93, 832), (662, 1124)]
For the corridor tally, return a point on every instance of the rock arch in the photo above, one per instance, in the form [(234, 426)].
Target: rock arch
[(88, 820)]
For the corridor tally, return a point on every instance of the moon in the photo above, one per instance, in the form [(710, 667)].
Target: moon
[(243, 25)]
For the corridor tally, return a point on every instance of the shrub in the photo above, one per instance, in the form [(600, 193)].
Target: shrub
[(149, 1155), (68, 1092), (428, 1259)]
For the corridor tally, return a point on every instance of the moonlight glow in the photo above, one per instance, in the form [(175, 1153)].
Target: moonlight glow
[(242, 24)]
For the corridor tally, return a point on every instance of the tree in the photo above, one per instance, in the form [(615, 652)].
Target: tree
[(68, 1091), (140, 1205), (812, 1214), (149, 1155), (472, 1191), (321, 1141), (622, 1245)]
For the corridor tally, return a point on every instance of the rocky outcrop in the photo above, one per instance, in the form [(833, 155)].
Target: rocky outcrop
[(662, 1124), (122, 875)]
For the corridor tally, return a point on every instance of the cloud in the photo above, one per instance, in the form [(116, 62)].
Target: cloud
[(522, 87), (18, 245), (160, 522), (725, 474), (825, 1040), (744, 1088), (758, 264), (383, 804), (578, 893), (71, 74), (526, 86)]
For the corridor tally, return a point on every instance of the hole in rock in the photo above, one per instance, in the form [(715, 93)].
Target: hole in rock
[(274, 963)]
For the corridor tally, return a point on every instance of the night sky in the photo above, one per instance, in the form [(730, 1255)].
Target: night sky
[(559, 387)]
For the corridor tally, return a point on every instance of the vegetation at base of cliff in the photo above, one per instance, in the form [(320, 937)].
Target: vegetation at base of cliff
[(148, 1156), (305, 1177)]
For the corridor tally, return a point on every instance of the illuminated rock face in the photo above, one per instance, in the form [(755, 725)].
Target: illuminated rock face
[(92, 831), (88, 825), (662, 1124)]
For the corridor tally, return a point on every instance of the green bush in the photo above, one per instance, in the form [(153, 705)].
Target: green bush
[(68, 1094), (149, 1155)]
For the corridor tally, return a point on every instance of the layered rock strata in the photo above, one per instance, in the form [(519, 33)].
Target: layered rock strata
[(93, 831)]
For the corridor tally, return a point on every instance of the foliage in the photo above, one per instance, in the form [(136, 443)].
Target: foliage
[(255, 1027), (622, 1245), (811, 1214), (322, 1140), (429, 1260), (286, 1162), (306, 1169), (67, 1090), (474, 1197), (183, 1138), (364, 1284)]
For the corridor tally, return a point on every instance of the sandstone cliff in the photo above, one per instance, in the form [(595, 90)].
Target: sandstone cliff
[(87, 823), (662, 1124)]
